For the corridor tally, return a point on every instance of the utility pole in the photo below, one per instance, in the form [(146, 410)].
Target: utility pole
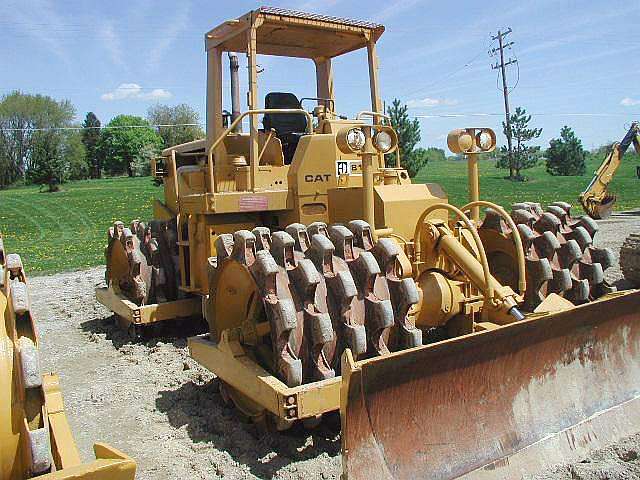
[(502, 66)]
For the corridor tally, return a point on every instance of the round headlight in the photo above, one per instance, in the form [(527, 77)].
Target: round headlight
[(383, 141), (356, 139), (485, 141)]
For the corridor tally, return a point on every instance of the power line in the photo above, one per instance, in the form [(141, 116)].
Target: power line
[(105, 127), (425, 116), (448, 75), (539, 114)]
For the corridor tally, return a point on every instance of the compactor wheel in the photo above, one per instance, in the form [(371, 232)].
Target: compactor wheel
[(321, 289), (20, 328), (141, 261), (630, 259), (560, 256)]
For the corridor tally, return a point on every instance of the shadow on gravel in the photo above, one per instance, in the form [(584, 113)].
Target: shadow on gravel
[(175, 332), (622, 284), (629, 213), (200, 407)]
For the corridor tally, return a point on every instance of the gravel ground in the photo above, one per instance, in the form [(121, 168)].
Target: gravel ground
[(157, 405)]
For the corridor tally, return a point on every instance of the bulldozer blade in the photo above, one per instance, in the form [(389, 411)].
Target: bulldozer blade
[(496, 404)]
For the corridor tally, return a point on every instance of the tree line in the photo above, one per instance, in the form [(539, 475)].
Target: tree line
[(41, 144), (565, 155)]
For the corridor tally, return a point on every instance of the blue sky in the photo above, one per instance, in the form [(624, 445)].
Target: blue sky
[(574, 58)]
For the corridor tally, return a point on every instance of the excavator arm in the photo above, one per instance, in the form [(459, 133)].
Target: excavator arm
[(596, 200)]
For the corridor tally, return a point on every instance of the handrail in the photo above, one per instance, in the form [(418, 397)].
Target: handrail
[(369, 113), (277, 111), (262, 111)]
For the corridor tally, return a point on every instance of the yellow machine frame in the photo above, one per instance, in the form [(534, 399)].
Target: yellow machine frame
[(32, 411)]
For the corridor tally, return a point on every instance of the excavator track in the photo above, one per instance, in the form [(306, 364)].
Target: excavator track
[(560, 255)]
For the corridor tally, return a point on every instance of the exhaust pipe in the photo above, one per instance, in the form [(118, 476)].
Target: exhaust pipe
[(235, 90)]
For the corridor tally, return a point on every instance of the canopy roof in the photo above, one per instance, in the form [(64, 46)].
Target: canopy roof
[(291, 33)]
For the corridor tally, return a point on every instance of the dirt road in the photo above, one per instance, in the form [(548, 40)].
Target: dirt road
[(156, 404)]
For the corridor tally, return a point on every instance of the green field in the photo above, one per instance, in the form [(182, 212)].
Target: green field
[(67, 230)]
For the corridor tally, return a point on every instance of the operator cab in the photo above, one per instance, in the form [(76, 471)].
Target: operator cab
[(281, 33)]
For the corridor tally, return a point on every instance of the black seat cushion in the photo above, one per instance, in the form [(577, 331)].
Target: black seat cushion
[(289, 127), (283, 123)]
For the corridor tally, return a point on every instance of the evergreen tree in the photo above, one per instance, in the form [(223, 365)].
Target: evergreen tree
[(523, 155), (565, 155), (90, 139), (408, 131)]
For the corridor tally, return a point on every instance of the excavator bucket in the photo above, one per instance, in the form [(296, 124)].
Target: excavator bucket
[(499, 403), (599, 209)]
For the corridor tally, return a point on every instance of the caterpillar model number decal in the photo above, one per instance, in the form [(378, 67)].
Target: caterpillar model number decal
[(348, 167)]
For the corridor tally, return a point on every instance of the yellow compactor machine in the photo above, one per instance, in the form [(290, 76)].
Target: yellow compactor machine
[(454, 345), (35, 438)]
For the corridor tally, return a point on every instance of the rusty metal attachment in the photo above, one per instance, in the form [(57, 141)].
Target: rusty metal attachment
[(298, 298), (511, 427)]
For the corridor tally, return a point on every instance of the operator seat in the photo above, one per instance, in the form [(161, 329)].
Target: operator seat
[(289, 127)]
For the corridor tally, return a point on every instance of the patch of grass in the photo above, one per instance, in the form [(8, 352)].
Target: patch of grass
[(68, 230), (541, 187)]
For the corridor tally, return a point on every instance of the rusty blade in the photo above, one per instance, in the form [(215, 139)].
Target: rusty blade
[(496, 404)]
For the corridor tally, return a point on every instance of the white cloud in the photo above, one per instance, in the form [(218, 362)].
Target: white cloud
[(395, 8), (112, 43), (26, 15), (629, 102), (133, 91), (179, 22), (431, 102)]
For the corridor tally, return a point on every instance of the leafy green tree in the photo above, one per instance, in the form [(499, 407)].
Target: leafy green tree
[(523, 156), (33, 139), (434, 154), (565, 155), (90, 139), (141, 165), (122, 141), (47, 161), (183, 115), (408, 131), (76, 158), (23, 118)]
